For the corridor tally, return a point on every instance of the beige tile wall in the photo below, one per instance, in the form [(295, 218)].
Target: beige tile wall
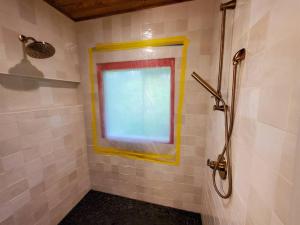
[(43, 168), (43, 159), (265, 136), (182, 186), (37, 19)]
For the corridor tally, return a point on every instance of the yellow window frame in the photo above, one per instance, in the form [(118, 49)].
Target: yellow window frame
[(169, 159)]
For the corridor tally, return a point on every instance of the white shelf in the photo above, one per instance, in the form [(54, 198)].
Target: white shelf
[(38, 78)]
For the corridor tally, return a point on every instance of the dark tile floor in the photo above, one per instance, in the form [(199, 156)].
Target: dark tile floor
[(98, 208)]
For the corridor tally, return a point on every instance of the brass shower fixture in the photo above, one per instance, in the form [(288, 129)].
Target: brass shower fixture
[(223, 163), (221, 166), (36, 49)]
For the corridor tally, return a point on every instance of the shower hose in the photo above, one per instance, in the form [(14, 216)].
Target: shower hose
[(228, 132)]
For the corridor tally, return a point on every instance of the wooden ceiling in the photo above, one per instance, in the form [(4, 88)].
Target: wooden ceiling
[(87, 9)]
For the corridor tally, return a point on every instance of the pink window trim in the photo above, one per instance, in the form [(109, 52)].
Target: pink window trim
[(166, 62)]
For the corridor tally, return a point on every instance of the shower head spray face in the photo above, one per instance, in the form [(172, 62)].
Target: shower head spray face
[(37, 49), (40, 50), (239, 56)]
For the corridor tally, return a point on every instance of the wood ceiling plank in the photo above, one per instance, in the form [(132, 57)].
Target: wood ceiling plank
[(88, 9)]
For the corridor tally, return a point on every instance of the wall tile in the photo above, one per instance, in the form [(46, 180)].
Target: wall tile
[(138, 179), (283, 197), (275, 220), (27, 142), (264, 138), (8, 221), (23, 215), (13, 161), (257, 213)]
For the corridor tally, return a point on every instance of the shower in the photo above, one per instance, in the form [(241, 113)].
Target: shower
[(223, 163), (37, 49)]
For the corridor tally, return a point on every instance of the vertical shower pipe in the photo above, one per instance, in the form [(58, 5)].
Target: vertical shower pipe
[(223, 8)]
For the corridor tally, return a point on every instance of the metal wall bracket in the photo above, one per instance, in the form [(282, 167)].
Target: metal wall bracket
[(221, 166)]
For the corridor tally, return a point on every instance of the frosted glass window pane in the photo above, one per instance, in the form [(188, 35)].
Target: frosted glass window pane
[(137, 104)]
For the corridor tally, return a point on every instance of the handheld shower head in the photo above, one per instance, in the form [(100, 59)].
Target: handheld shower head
[(37, 49), (206, 85), (239, 56)]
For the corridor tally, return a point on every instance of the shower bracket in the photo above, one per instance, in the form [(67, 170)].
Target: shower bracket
[(220, 166), (219, 107), (25, 39)]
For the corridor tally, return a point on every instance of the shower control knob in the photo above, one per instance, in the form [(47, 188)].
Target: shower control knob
[(219, 165), (211, 163)]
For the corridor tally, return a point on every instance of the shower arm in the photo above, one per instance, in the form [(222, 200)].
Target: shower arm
[(223, 163), (223, 7), (25, 39)]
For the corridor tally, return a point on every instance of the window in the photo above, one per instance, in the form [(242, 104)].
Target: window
[(137, 100)]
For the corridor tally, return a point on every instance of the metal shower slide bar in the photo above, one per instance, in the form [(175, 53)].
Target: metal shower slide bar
[(223, 7)]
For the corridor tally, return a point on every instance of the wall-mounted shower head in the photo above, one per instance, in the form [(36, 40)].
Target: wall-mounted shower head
[(206, 85), (228, 5), (239, 56), (37, 49)]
